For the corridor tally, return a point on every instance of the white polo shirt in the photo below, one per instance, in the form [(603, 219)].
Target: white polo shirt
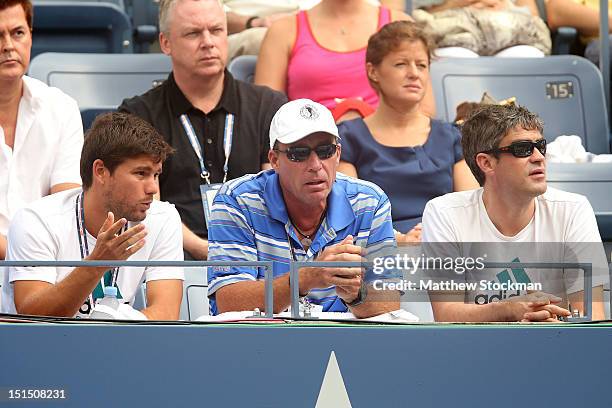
[(47, 148)]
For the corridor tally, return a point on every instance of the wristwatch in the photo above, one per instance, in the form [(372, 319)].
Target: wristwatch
[(361, 296)]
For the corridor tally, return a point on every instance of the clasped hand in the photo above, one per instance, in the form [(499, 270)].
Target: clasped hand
[(346, 280), (540, 307)]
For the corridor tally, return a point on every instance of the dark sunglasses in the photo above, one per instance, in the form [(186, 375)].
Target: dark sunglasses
[(300, 154), (521, 149)]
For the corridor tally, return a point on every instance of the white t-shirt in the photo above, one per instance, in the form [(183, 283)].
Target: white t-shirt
[(563, 229), (46, 230), (47, 148)]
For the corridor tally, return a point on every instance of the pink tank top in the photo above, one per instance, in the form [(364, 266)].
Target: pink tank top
[(323, 75)]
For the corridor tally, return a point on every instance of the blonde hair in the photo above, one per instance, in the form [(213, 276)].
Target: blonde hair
[(166, 6)]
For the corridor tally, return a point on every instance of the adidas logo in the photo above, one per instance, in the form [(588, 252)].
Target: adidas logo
[(515, 275)]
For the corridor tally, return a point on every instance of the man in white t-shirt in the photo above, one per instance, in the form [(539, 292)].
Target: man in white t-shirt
[(513, 217), (41, 133), (114, 217)]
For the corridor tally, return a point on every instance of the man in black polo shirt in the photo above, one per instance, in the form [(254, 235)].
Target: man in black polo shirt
[(202, 111)]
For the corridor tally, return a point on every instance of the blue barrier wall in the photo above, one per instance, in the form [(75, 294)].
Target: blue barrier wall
[(284, 365)]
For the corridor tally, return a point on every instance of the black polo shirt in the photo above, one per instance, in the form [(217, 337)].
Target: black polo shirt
[(253, 107)]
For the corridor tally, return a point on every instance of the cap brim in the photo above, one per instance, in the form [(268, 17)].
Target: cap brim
[(300, 134)]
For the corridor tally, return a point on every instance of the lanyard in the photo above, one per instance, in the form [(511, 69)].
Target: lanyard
[(84, 246), (228, 134), (291, 250), (303, 299)]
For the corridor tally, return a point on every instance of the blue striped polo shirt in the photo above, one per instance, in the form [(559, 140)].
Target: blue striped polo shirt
[(249, 222)]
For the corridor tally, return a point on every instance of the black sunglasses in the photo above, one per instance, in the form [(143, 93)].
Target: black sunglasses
[(522, 149), (300, 154)]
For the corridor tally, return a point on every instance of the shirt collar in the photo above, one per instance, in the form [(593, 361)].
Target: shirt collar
[(339, 215), (230, 98), (179, 104), (29, 96), (339, 209), (273, 197), (229, 102)]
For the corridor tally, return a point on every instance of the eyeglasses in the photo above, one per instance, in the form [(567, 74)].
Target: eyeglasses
[(300, 154), (522, 149)]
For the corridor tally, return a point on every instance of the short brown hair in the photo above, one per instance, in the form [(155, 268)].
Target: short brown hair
[(115, 137), (488, 125), (391, 37), (27, 8)]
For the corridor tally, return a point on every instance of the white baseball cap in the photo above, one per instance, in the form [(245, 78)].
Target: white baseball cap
[(300, 118)]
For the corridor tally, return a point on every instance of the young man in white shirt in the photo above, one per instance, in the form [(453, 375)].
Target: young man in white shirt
[(114, 217), (41, 132), (519, 218)]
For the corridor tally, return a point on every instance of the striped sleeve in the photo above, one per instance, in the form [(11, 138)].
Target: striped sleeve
[(231, 238)]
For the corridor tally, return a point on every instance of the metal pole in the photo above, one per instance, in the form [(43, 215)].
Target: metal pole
[(586, 267), (294, 289), (587, 305), (113, 264), (269, 290), (604, 51), (268, 272)]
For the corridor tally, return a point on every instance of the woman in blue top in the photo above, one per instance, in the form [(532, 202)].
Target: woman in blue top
[(410, 156)]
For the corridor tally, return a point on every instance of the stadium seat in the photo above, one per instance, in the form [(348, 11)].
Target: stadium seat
[(101, 80), (119, 3), (144, 15), (243, 67), (593, 180), (566, 91), (563, 39), (140, 298), (88, 115), (195, 299), (75, 26)]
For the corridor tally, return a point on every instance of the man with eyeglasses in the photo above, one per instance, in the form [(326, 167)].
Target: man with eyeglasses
[(519, 219), (298, 211)]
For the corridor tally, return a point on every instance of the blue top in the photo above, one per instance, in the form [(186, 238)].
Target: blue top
[(249, 222), (411, 176)]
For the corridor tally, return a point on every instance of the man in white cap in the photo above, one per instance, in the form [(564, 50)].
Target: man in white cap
[(300, 210)]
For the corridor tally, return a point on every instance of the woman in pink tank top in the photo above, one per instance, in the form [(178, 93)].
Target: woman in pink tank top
[(320, 53), (326, 75)]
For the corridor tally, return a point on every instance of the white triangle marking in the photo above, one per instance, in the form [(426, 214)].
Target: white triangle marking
[(333, 392)]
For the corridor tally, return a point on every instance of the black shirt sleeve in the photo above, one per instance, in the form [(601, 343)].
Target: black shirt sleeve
[(136, 106), (271, 104)]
